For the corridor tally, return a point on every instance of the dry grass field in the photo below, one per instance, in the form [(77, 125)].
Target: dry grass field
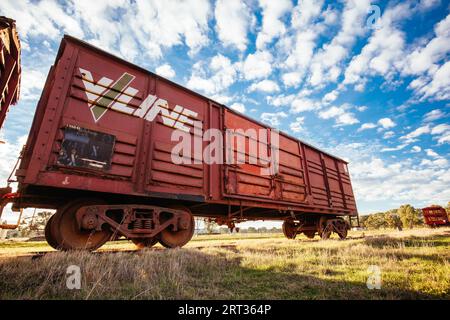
[(414, 264)]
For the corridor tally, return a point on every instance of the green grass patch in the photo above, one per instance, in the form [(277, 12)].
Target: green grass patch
[(414, 265)]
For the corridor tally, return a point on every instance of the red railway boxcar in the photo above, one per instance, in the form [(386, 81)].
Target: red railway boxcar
[(435, 216), (120, 151), (9, 66)]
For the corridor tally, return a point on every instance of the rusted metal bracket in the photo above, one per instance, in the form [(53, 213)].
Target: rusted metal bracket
[(94, 216), (7, 197)]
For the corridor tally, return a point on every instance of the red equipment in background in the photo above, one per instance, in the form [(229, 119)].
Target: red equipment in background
[(435, 216), (9, 66), (100, 152)]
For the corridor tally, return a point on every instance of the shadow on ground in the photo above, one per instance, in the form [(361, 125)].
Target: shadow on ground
[(176, 274)]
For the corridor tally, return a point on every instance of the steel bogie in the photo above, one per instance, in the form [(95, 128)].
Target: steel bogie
[(67, 233), (136, 221), (290, 229), (88, 224), (324, 226)]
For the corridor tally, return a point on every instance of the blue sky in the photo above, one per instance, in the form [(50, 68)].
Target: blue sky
[(368, 81)]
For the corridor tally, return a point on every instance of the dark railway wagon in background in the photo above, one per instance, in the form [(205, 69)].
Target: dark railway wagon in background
[(100, 152), (9, 66), (435, 216)]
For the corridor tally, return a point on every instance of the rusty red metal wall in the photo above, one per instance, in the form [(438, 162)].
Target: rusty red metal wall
[(9, 66), (434, 216), (309, 180)]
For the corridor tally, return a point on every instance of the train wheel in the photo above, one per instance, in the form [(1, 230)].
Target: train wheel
[(48, 235), (326, 233), (310, 234), (289, 229), (175, 239), (325, 228), (341, 228), (142, 243), (69, 236)]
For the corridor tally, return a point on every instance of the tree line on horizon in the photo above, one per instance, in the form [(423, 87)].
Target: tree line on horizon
[(406, 216)]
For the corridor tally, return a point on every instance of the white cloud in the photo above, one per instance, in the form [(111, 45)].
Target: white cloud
[(301, 104), (238, 107), (368, 125), (257, 65), (330, 16), (411, 137), (433, 115), (213, 78), (118, 26), (440, 128), (298, 45), (441, 162), (386, 123), (428, 4), (221, 98), (198, 83), (396, 148), (297, 125), (384, 51), (422, 59), (44, 18), (264, 86), (400, 182), (397, 182), (272, 26), (166, 71), (9, 152), (300, 50), (425, 61), (330, 96), (416, 149), (445, 138), (438, 88), (325, 66), (306, 12), (32, 82), (361, 108), (233, 19), (340, 114), (291, 79), (273, 119), (443, 133), (388, 134), (431, 153), (149, 24), (280, 100)]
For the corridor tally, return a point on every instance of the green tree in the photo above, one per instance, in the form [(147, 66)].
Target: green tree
[(251, 230), (262, 230), (35, 224), (393, 219), (376, 221), (410, 216), (210, 226)]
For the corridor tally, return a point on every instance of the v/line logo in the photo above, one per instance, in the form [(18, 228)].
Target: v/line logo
[(106, 94)]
